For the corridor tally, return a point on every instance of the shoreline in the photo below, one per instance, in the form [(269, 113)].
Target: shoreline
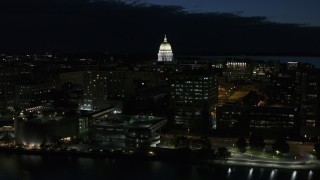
[(166, 155)]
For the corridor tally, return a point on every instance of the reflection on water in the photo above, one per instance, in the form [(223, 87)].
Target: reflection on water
[(32, 167), (250, 173), (273, 174), (229, 173), (294, 175), (310, 175)]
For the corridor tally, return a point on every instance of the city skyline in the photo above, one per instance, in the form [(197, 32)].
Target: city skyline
[(222, 114), (149, 89)]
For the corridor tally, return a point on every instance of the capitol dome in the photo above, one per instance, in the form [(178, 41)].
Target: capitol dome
[(165, 51), (165, 46)]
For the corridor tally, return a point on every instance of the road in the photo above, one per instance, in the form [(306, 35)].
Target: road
[(300, 155), (295, 147)]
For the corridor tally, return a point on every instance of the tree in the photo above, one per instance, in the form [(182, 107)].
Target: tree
[(317, 150), (280, 146), (182, 142), (203, 143), (206, 153), (242, 144), (223, 153), (256, 142)]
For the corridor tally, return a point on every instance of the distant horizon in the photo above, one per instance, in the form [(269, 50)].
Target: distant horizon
[(115, 26), (315, 60)]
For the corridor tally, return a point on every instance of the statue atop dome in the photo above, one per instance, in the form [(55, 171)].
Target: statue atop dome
[(165, 38)]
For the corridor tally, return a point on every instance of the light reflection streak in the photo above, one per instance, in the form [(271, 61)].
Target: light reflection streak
[(294, 175), (229, 173), (273, 174), (310, 175), (250, 173)]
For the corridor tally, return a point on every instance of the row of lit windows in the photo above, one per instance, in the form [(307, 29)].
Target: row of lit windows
[(191, 101), (272, 114), (312, 95)]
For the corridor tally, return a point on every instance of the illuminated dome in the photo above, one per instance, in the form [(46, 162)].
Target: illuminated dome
[(165, 51), (165, 46)]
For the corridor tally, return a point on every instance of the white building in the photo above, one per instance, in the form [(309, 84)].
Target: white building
[(165, 52)]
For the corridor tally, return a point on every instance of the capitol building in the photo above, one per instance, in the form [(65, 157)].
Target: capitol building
[(165, 52)]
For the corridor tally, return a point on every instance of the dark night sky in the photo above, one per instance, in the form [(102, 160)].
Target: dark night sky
[(112, 26), (293, 11)]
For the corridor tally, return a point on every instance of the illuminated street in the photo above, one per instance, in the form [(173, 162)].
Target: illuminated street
[(300, 155)]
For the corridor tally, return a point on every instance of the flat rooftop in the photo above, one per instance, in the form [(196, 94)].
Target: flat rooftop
[(130, 121), (238, 95)]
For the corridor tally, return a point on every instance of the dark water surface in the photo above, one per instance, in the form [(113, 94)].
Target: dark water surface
[(56, 168)]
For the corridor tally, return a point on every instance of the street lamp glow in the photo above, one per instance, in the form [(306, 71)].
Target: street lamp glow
[(151, 153)]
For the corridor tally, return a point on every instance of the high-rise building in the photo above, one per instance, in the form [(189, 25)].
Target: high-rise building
[(237, 70), (310, 99), (264, 70), (93, 86), (193, 94), (165, 52)]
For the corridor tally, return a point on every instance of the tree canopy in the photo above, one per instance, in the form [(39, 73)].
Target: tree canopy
[(242, 144), (256, 142), (280, 146)]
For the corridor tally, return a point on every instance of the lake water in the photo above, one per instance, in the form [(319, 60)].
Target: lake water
[(32, 167)]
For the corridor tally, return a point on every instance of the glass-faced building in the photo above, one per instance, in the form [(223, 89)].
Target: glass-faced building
[(193, 94)]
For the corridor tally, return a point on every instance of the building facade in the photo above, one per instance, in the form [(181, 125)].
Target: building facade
[(165, 52), (193, 95)]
